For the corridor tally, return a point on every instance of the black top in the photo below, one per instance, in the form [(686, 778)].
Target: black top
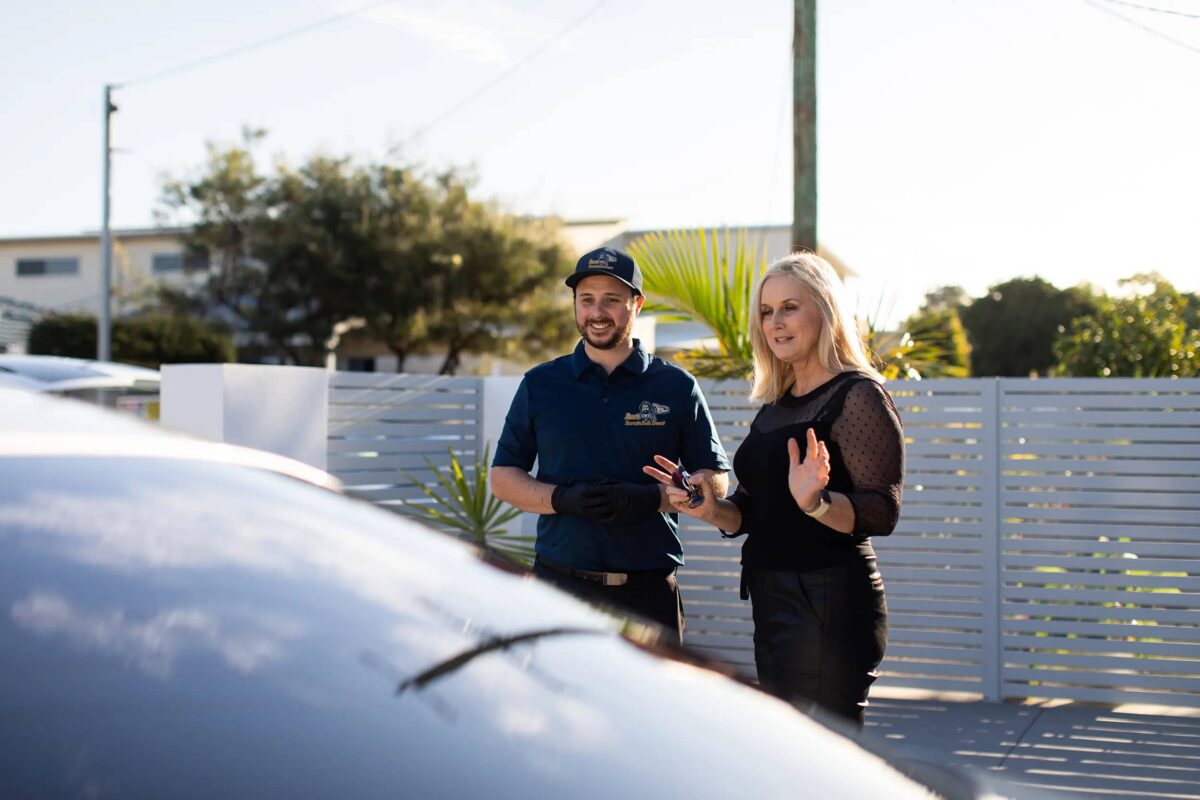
[(582, 424), (858, 422)]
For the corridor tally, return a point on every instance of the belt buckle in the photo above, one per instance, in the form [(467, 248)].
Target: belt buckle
[(613, 578)]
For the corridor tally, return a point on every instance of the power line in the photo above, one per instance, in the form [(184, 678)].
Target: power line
[(1155, 9), (487, 87), (245, 48), (1146, 28)]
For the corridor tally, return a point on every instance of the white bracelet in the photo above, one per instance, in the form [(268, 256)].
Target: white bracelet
[(824, 503)]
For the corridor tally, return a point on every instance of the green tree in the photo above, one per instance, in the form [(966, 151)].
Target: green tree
[(1191, 309), (1146, 334), (492, 284), (1013, 327), (297, 251), (287, 249), (946, 298)]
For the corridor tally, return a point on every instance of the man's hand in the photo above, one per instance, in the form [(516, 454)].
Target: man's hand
[(589, 500), (630, 501)]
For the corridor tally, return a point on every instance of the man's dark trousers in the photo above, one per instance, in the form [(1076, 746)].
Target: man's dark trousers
[(653, 594)]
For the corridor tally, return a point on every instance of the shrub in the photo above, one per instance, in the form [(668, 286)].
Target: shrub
[(150, 340)]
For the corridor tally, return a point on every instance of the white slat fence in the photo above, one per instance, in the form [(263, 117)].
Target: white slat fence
[(1100, 540), (1049, 543), (382, 428)]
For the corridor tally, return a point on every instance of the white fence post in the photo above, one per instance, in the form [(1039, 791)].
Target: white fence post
[(283, 410), (496, 395), (990, 512)]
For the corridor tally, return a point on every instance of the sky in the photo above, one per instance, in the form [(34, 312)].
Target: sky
[(959, 142)]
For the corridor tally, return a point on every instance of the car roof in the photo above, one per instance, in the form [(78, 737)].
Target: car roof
[(42, 425)]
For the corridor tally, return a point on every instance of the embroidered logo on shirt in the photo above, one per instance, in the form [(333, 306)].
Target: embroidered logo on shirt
[(647, 414)]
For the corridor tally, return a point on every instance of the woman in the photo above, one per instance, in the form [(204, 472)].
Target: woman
[(819, 473)]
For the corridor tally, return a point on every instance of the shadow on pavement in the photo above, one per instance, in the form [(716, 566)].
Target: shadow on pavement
[(1073, 750)]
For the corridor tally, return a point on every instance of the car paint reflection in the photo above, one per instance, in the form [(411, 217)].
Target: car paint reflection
[(154, 644)]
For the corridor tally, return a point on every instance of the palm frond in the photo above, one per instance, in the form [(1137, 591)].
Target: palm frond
[(924, 348), (464, 505), (707, 277)]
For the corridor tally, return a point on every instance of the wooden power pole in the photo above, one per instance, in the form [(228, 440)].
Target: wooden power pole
[(804, 125)]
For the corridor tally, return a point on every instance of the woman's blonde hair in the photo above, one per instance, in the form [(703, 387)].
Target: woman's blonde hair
[(840, 347)]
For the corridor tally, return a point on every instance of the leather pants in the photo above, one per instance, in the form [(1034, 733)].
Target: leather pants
[(819, 635)]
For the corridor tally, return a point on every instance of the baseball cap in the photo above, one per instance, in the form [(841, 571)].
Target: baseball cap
[(608, 261)]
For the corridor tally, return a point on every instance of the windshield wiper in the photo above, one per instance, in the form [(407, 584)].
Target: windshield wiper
[(490, 645)]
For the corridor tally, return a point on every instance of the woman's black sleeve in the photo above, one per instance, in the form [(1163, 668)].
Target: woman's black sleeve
[(871, 441), (741, 499)]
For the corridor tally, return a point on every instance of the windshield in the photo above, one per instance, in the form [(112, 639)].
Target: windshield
[(51, 371)]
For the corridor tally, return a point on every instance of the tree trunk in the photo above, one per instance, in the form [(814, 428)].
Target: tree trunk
[(450, 365), (401, 356)]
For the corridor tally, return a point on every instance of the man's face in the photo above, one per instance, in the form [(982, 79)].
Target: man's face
[(605, 309)]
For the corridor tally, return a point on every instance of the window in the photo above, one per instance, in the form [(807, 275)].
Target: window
[(31, 267), (164, 263), (360, 364)]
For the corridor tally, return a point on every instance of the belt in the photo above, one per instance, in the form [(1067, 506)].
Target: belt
[(602, 578)]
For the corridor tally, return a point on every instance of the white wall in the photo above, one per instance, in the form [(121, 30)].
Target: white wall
[(283, 410)]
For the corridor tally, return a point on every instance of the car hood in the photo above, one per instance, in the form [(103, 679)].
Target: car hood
[(193, 629)]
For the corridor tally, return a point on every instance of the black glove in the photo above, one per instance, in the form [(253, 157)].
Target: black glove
[(589, 500), (629, 501)]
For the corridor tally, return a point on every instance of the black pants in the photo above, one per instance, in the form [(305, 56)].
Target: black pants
[(653, 594), (819, 635)]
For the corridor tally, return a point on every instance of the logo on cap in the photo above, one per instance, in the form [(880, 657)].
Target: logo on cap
[(607, 261), (601, 260)]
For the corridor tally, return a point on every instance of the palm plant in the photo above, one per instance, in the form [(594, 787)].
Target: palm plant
[(704, 276), (466, 507), (707, 276), (928, 346)]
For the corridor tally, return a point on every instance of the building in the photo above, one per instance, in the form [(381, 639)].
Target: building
[(63, 274)]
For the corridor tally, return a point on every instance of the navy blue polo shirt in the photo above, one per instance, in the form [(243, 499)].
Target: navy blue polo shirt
[(583, 424)]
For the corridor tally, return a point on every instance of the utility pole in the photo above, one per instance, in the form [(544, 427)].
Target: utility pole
[(104, 334), (804, 125)]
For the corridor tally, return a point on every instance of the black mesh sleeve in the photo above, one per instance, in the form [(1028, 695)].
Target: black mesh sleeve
[(869, 435)]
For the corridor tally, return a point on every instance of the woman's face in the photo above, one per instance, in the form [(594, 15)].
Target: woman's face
[(790, 319)]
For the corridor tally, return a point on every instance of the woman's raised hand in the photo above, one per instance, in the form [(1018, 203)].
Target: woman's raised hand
[(807, 478)]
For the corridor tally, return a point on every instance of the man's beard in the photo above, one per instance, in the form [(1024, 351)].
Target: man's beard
[(617, 338)]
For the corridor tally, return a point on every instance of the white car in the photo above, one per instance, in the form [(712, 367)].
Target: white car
[(122, 386), (67, 375)]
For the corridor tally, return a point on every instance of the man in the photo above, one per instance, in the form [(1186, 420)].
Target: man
[(591, 420)]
